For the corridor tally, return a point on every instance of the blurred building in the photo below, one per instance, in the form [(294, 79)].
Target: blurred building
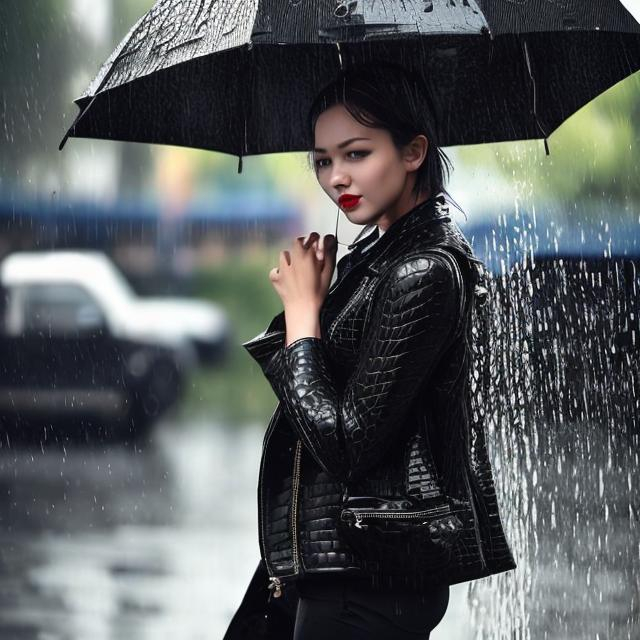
[(140, 237)]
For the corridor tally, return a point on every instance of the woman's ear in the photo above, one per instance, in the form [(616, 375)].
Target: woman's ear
[(415, 152)]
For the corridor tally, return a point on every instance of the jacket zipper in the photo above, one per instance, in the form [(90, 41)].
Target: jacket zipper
[(362, 514), (358, 516), (294, 505), (275, 583)]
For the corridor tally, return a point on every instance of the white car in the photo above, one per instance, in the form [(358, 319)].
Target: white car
[(76, 341), (165, 319)]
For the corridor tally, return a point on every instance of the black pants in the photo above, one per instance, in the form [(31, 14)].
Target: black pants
[(347, 612)]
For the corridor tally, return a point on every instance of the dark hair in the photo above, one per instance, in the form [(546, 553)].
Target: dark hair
[(385, 95)]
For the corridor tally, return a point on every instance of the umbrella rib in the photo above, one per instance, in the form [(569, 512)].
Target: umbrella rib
[(243, 106), (533, 82)]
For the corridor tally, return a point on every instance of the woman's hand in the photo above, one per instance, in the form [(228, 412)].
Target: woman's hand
[(302, 281)]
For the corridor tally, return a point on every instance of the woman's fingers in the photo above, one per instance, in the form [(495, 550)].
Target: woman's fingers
[(329, 245), (329, 259), (326, 246), (321, 244), (307, 241), (285, 259)]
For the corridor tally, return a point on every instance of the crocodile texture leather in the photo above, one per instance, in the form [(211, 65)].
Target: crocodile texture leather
[(349, 431), (368, 405)]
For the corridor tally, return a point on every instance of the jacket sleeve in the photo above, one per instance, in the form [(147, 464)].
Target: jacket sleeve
[(349, 431), (268, 344)]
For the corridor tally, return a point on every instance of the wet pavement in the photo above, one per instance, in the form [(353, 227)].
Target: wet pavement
[(118, 543)]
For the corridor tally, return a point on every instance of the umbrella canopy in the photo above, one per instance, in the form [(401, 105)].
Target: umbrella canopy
[(239, 77)]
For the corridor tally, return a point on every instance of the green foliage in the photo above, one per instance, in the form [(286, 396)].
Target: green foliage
[(237, 391), (36, 50)]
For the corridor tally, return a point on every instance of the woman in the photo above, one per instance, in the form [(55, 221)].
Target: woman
[(372, 377)]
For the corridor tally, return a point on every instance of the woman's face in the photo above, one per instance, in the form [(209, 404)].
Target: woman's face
[(371, 167)]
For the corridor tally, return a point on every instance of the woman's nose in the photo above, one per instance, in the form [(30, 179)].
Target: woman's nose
[(340, 179)]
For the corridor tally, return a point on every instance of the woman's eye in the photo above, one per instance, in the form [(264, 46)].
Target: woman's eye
[(360, 154)]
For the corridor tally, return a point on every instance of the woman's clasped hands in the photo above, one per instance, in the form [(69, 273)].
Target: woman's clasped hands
[(302, 279)]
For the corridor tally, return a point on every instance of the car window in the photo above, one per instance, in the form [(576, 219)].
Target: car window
[(59, 308)]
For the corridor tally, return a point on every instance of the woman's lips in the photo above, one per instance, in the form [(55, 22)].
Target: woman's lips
[(348, 202)]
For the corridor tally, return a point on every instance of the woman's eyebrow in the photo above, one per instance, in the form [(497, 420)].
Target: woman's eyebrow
[(342, 144)]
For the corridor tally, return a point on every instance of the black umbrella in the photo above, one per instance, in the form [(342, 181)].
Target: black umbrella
[(239, 77)]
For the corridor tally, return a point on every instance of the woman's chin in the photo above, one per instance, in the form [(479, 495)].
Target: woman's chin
[(360, 219), (356, 215)]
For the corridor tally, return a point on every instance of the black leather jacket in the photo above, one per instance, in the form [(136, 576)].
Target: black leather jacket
[(357, 407)]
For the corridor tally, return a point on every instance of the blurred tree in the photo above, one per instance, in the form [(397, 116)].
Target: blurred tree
[(37, 48)]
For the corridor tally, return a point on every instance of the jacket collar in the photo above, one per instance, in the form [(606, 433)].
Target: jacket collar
[(406, 230), (430, 208)]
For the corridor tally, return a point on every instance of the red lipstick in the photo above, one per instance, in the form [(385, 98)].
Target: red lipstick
[(348, 201)]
